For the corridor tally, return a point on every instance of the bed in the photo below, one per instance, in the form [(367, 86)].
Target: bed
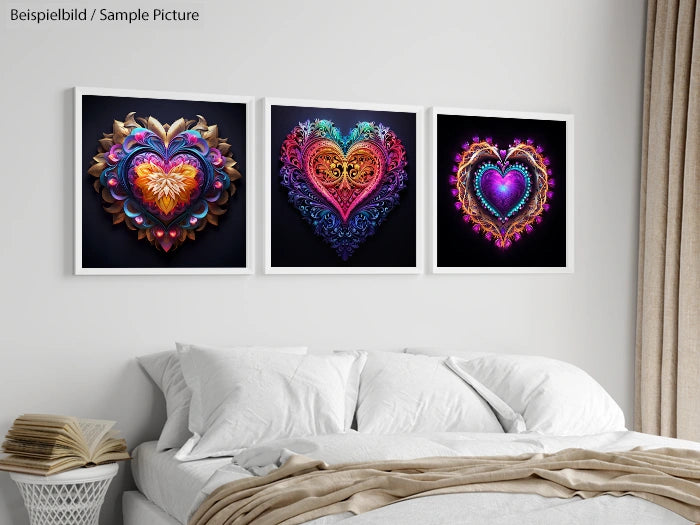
[(405, 406)]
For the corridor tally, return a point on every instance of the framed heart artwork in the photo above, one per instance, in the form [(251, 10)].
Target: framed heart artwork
[(503, 192), (164, 183), (343, 187)]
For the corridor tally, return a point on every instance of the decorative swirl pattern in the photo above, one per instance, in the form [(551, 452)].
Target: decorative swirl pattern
[(164, 180), (343, 186), (344, 180), (502, 192)]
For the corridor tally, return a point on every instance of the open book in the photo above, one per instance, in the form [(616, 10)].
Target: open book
[(46, 444)]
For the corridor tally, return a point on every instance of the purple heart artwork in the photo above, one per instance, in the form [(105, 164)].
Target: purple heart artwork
[(503, 189), (502, 193)]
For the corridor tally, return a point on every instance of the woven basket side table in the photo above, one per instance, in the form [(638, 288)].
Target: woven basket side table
[(73, 497)]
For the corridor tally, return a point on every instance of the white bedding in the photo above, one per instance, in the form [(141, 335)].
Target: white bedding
[(137, 510), (171, 484), (179, 487)]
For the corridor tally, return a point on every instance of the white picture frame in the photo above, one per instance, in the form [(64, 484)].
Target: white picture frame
[(419, 180), (568, 119), (80, 182)]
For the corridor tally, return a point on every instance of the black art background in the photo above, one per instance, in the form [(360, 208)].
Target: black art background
[(293, 241), (115, 246), (458, 245)]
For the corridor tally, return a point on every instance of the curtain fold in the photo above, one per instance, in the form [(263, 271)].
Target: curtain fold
[(667, 397)]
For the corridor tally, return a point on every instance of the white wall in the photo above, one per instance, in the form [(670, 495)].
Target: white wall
[(67, 343)]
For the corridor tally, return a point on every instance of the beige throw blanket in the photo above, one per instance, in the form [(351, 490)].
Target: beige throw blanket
[(304, 489)]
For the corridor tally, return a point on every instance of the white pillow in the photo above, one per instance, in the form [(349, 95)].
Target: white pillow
[(401, 393), (552, 396), (241, 397), (446, 352), (509, 419), (165, 371)]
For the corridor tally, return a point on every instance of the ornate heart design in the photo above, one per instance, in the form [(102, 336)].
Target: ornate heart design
[(502, 192), (164, 180), (344, 186)]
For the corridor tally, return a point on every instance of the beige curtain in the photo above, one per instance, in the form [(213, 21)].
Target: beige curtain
[(668, 302)]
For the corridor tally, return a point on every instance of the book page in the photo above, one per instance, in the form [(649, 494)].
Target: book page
[(93, 431), (42, 467)]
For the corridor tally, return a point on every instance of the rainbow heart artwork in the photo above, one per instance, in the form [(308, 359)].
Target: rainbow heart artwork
[(344, 186), (165, 181), (502, 193)]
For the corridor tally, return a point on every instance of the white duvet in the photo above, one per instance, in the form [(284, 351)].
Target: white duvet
[(467, 509)]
